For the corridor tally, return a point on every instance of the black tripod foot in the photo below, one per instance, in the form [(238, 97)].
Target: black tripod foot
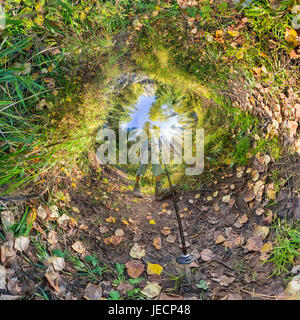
[(185, 259)]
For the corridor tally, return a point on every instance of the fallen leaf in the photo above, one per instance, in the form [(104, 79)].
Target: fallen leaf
[(52, 237), (292, 291), (220, 239), (224, 280), (259, 211), (157, 243), (137, 252), (255, 175), (93, 292), (124, 287), (41, 213), (63, 220), (151, 290), (249, 196), (154, 268), (207, 255), (243, 219), (165, 231), (171, 238), (54, 280), (14, 286), (152, 221), (267, 247), (254, 243), (134, 268), (165, 205), (261, 231), (110, 219), (79, 247), (58, 263), (103, 229), (114, 240), (7, 219), (291, 37), (125, 222), (22, 243), (271, 193), (54, 212), (119, 232), (226, 198), (233, 33)]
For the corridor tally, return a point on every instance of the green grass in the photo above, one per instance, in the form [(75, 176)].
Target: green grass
[(287, 242)]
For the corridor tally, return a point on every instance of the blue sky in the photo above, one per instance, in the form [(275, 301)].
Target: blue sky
[(141, 115)]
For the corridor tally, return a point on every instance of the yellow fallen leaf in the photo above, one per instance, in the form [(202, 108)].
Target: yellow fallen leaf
[(125, 222), (219, 33), (152, 221), (233, 33), (267, 247), (291, 37), (110, 219), (154, 268)]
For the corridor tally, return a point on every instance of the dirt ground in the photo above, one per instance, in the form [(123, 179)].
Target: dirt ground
[(226, 232)]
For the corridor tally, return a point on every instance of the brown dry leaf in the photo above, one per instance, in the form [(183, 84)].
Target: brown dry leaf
[(151, 290), (259, 211), (164, 296), (254, 243), (243, 219), (269, 218), (233, 241), (271, 193), (41, 213), (63, 220), (165, 231), (137, 252), (54, 280), (119, 232), (294, 55), (220, 239), (79, 247), (22, 243), (114, 240), (234, 296), (223, 280), (261, 231), (207, 255), (58, 263), (103, 229), (249, 196), (53, 212), (171, 238), (292, 291), (255, 175), (157, 243), (123, 287), (93, 292), (154, 268), (14, 286), (7, 219), (52, 237), (134, 268), (165, 205)]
